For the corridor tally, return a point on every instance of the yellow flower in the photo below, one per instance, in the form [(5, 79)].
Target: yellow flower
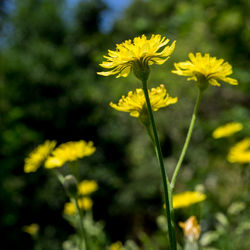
[(31, 229), (69, 151), (84, 203), (191, 228), (240, 152), (141, 53), (69, 208), (135, 103), (227, 130), (37, 156), (87, 187), (205, 67), (187, 199), (116, 246)]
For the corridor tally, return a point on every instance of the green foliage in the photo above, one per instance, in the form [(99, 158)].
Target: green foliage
[(95, 233)]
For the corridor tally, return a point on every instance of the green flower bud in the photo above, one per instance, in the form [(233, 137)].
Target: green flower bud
[(70, 185)]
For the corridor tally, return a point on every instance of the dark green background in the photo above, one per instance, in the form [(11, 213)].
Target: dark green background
[(49, 89)]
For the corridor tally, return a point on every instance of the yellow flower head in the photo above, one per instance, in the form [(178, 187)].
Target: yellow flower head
[(87, 187), (142, 52), (191, 228), (69, 208), (227, 130), (240, 152), (38, 156), (135, 102), (84, 203), (187, 199), (205, 67), (116, 246), (69, 151), (31, 229)]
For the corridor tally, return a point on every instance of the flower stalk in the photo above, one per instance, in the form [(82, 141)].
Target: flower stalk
[(70, 185), (83, 237), (166, 186), (185, 147)]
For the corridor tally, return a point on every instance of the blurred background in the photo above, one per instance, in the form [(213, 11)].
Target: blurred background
[(49, 89)]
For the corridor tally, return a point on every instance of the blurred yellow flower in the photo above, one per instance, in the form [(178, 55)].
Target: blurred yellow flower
[(38, 156), (84, 203), (69, 208), (69, 151), (227, 130), (240, 152), (116, 246), (142, 52), (31, 229), (135, 102), (187, 199), (87, 187), (191, 228), (210, 68)]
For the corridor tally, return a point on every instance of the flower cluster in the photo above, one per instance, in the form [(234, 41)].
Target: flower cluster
[(227, 130), (85, 188), (84, 203), (66, 152), (205, 68), (187, 199), (240, 152), (135, 102), (141, 53)]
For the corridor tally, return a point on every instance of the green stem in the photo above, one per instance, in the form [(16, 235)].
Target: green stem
[(191, 245), (185, 147), (165, 181), (74, 169), (149, 131), (83, 241), (59, 176)]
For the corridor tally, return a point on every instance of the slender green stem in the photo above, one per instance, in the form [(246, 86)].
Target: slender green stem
[(73, 198), (83, 241), (74, 169), (149, 131), (190, 130), (59, 176), (165, 181), (191, 245)]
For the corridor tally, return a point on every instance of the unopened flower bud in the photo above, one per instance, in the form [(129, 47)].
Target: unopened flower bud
[(191, 229), (70, 185)]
